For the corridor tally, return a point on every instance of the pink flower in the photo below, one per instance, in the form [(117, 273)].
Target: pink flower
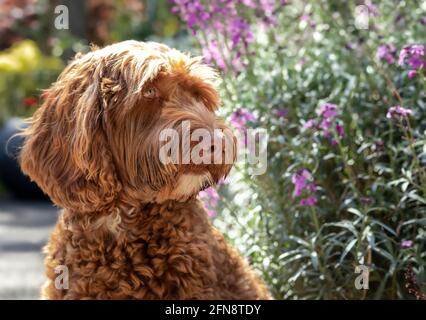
[(386, 52), (398, 112), (223, 22), (372, 9), (212, 53), (211, 213), (210, 195), (327, 110), (413, 56), (406, 244), (309, 124), (299, 181), (327, 113), (412, 74), (325, 125), (305, 17), (210, 199), (309, 201), (312, 187), (240, 118), (281, 113), (340, 130)]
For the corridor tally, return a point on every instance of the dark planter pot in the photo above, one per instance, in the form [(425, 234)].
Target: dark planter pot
[(11, 175)]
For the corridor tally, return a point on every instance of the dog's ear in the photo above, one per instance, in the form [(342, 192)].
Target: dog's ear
[(109, 89), (65, 149)]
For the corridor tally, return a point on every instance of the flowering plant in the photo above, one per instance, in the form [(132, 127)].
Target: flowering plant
[(345, 113)]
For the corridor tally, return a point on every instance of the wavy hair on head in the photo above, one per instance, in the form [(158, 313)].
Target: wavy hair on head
[(65, 150)]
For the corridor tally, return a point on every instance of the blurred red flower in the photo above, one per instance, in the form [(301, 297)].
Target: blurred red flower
[(30, 101)]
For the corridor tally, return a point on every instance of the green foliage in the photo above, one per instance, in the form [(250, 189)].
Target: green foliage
[(154, 19), (371, 183), (25, 71)]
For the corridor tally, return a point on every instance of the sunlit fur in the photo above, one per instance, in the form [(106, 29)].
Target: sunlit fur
[(131, 227)]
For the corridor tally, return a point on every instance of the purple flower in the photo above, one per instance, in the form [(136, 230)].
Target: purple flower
[(240, 117), (327, 110), (210, 199), (327, 113), (212, 53), (325, 125), (340, 130), (212, 195), (193, 12), (226, 27), (372, 9), (413, 57), (239, 120), (299, 180), (350, 45), (303, 181), (312, 187), (309, 201), (415, 62), (326, 120), (412, 74), (406, 244), (309, 124), (305, 17), (398, 112), (281, 113), (386, 52), (240, 32), (211, 213), (267, 6), (417, 50)]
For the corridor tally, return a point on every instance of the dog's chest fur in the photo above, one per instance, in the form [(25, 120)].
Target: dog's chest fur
[(168, 251)]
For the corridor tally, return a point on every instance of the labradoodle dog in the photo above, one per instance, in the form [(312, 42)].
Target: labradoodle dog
[(131, 225)]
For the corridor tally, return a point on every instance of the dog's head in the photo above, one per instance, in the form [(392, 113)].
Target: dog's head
[(122, 122)]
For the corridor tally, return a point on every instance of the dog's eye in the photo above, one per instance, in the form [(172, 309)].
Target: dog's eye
[(150, 93)]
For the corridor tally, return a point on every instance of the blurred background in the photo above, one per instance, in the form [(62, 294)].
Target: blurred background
[(339, 86)]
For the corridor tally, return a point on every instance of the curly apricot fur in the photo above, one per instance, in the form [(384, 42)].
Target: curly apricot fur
[(131, 227)]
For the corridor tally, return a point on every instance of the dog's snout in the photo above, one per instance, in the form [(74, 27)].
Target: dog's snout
[(213, 146)]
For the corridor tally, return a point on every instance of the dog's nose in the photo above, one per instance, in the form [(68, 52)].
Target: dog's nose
[(218, 143), (218, 148), (212, 145)]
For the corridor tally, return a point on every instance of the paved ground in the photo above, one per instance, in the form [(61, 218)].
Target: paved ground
[(24, 229)]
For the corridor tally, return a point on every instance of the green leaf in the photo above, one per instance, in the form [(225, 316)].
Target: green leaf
[(346, 224), (347, 249)]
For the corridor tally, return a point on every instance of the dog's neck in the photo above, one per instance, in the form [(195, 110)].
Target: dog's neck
[(124, 219)]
